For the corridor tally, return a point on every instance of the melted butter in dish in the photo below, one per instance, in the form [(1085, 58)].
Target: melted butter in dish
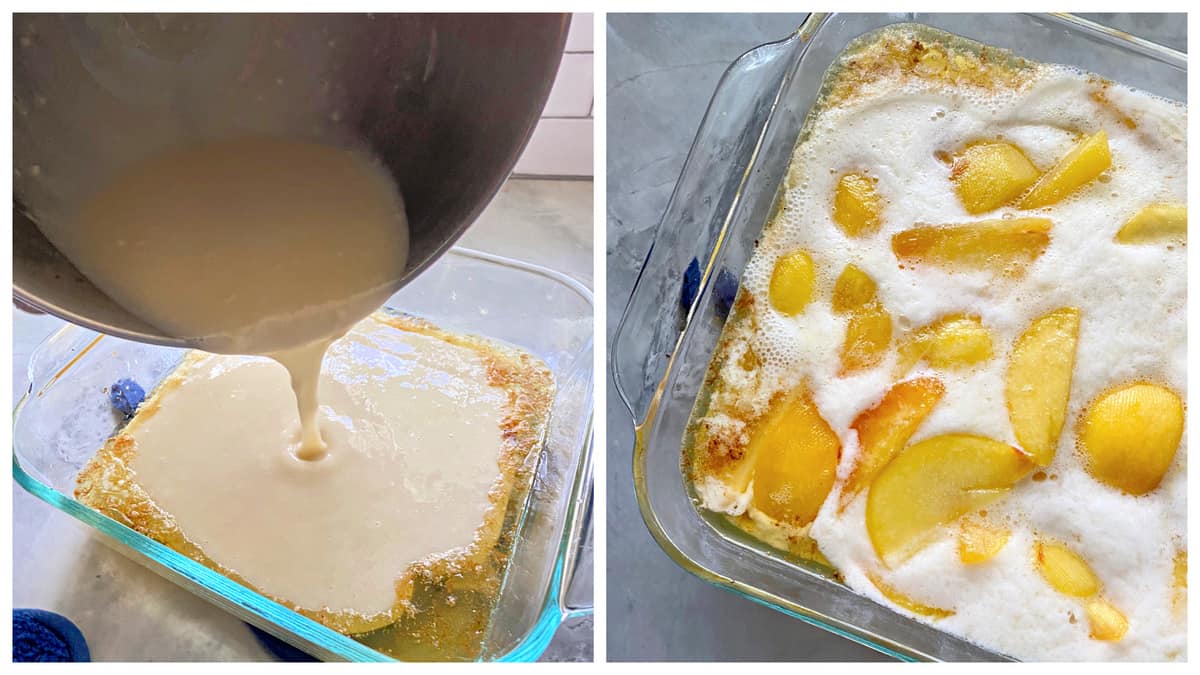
[(415, 479)]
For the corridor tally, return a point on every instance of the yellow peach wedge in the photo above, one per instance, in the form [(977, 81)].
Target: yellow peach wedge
[(989, 175), (1083, 164), (792, 283), (1107, 623), (1064, 570), (1069, 574), (795, 455), (1155, 223), (995, 245), (952, 342), (980, 542), (907, 602), (884, 429), (933, 483), (856, 205), (869, 328), (1129, 436), (1038, 382), (852, 290), (868, 335)]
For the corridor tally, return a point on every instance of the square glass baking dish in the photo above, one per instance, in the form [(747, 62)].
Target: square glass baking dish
[(64, 417), (725, 194)]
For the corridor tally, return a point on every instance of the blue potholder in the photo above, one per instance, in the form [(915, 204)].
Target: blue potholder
[(39, 635)]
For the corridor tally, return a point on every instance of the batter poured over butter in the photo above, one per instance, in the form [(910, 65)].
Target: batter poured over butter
[(252, 246), (426, 431)]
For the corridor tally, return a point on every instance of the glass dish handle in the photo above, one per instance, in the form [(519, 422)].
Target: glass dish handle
[(694, 221)]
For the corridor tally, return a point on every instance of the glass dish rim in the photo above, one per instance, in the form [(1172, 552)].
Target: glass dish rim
[(554, 610), (642, 427)]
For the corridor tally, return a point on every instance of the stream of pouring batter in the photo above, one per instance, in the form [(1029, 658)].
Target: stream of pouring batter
[(303, 364), (254, 246)]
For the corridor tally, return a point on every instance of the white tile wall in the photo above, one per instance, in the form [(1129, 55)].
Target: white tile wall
[(572, 92), (559, 147), (579, 37), (562, 142)]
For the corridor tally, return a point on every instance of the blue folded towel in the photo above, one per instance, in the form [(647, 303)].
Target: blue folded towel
[(125, 396), (726, 288), (691, 285), (45, 636)]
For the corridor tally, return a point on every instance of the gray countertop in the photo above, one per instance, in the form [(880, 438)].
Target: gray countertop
[(662, 71), (128, 613)]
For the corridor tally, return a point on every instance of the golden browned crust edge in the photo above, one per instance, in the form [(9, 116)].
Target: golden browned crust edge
[(108, 484), (914, 54), (707, 453)]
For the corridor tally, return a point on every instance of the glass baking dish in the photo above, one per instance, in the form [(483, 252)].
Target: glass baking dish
[(725, 193), (64, 417)]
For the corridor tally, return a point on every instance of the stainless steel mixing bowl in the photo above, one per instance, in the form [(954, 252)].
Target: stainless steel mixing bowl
[(445, 101)]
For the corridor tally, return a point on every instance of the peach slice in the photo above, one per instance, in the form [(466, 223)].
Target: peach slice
[(1038, 382), (989, 175), (856, 205), (884, 429), (1156, 222), (1064, 570), (1069, 574), (1107, 622), (869, 329), (1083, 164), (792, 283), (795, 460), (996, 245), (980, 542), (852, 290), (1129, 436), (952, 342), (868, 335), (907, 602), (933, 483)]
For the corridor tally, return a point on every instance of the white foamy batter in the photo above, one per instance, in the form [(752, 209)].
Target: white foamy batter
[(414, 435), (251, 246), (1133, 302)]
